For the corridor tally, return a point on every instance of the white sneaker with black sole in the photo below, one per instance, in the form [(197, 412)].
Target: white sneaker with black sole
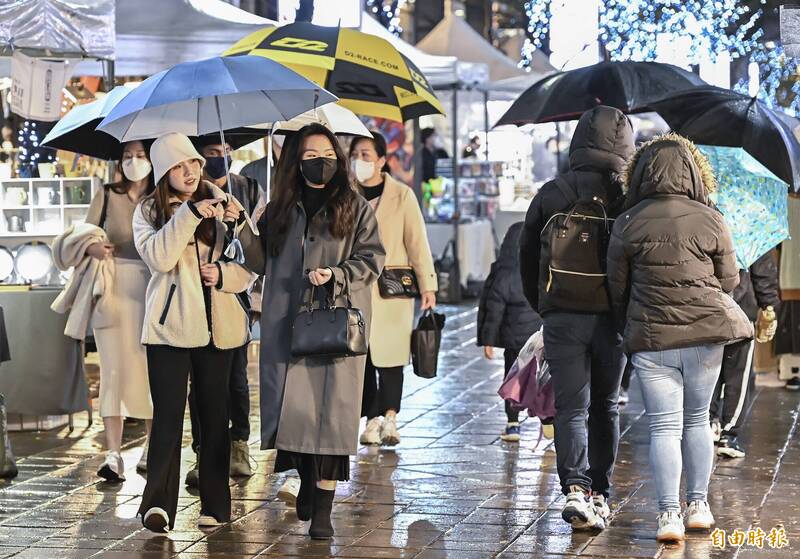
[(670, 527), (289, 491), (208, 521), (113, 469), (156, 520), (579, 511), (372, 434), (601, 507), (698, 516), (390, 436)]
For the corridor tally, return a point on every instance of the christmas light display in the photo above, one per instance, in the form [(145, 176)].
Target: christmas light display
[(538, 12), (387, 12), (30, 152), (779, 81), (631, 29)]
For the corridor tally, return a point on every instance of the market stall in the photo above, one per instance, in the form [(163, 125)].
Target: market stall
[(45, 381), (478, 183)]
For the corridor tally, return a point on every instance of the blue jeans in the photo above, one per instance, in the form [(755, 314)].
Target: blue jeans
[(677, 386)]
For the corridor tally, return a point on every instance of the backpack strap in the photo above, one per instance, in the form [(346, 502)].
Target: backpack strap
[(566, 189), (104, 211)]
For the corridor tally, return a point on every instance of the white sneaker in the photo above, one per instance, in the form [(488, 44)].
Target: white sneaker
[(240, 459), (208, 521), (698, 516), (141, 466), (390, 436), (289, 491), (670, 527), (601, 507), (579, 511), (372, 434), (113, 469), (716, 430), (156, 520)]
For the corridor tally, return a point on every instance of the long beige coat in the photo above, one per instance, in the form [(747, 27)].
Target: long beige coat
[(405, 239)]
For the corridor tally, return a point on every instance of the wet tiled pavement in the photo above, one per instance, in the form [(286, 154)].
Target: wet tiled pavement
[(452, 489)]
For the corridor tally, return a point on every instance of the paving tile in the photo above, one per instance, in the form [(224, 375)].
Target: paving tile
[(450, 490)]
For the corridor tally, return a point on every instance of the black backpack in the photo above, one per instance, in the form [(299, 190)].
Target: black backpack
[(573, 257)]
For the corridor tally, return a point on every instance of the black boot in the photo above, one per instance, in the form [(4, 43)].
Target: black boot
[(304, 505), (321, 527)]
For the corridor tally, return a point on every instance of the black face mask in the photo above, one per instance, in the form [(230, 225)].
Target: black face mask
[(319, 170), (215, 166)]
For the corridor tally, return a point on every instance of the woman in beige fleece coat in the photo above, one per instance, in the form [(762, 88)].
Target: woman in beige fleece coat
[(193, 322), (405, 239)]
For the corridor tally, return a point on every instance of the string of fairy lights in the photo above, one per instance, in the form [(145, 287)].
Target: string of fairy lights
[(388, 13), (630, 30)]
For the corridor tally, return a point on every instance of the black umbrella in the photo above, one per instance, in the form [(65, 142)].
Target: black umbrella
[(624, 85), (721, 117)]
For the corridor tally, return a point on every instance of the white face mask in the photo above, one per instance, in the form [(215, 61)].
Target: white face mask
[(363, 170), (135, 168)]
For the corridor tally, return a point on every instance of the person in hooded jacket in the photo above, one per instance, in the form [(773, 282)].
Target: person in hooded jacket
[(757, 290), (583, 349), (671, 264), (505, 319)]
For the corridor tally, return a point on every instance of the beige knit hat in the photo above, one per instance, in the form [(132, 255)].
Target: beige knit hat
[(169, 150)]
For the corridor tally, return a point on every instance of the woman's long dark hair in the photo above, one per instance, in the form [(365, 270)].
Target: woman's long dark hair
[(289, 183), (378, 142), (161, 210), (124, 185)]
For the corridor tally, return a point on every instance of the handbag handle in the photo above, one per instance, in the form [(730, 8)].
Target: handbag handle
[(429, 313)]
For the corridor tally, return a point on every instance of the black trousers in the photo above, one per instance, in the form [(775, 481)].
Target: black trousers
[(168, 371), (512, 415), (238, 401), (732, 393), (383, 389), (586, 363)]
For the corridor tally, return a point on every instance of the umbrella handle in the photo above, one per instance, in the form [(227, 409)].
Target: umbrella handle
[(225, 153)]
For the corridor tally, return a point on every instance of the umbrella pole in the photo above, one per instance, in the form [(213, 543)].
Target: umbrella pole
[(269, 163), (222, 138)]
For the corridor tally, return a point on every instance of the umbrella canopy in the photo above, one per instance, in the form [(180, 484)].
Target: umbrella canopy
[(211, 95), (721, 117), (626, 86), (753, 201), (77, 130), (334, 117), (369, 75)]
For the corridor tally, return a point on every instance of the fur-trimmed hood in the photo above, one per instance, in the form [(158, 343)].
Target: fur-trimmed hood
[(669, 165)]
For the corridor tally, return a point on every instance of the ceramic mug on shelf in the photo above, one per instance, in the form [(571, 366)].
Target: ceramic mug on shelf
[(16, 196)]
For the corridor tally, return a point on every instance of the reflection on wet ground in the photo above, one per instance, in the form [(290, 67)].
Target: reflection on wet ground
[(452, 489)]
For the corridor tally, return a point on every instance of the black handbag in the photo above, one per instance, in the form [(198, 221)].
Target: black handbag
[(397, 283), (426, 340), (448, 274), (329, 331)]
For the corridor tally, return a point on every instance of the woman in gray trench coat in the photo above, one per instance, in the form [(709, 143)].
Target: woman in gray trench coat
[(315, 231)]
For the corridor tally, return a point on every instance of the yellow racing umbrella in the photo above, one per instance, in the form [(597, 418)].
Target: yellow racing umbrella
[(368, 74)]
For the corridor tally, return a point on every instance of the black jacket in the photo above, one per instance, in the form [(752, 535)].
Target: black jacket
[(601, 145), (505, 319), (758, 287)]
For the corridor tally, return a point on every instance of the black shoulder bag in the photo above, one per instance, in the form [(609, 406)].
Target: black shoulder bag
[(330, 331)]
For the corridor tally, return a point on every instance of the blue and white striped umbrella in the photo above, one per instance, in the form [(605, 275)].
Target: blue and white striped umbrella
[(752, 199)]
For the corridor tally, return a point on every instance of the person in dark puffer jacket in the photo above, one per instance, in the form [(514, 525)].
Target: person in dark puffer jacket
[(671, 265), (583, 349), (505, 319)]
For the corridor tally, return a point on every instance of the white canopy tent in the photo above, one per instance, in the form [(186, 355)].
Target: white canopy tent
[(455, 37)]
